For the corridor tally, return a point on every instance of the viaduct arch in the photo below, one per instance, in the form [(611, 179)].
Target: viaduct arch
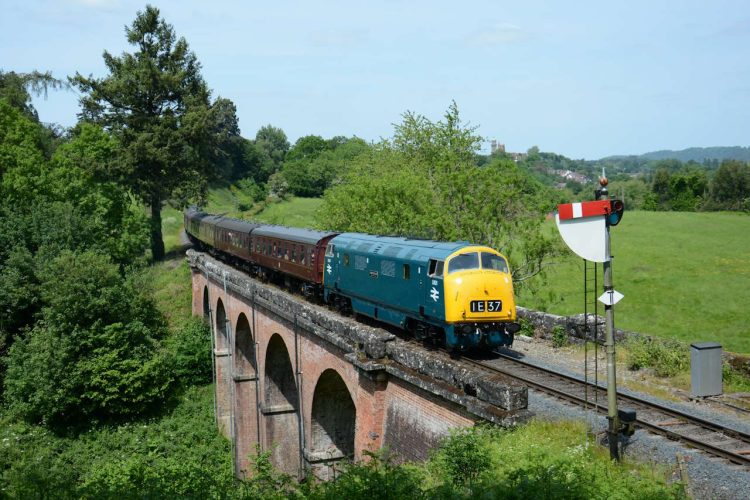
[(314, 388)]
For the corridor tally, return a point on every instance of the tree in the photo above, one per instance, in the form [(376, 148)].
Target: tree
[(48, 207), (308, 148), (424, 183), (156, 103), (660, 188), (730, 187), (96, 351), (316, 164), (271, 145)]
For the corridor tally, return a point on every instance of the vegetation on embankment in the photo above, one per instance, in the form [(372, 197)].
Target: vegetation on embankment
[(684, 276), (182, 455)]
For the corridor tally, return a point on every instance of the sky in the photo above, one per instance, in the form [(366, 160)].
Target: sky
[(583, 79)]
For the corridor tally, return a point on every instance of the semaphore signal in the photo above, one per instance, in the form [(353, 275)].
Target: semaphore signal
[(584, 227)]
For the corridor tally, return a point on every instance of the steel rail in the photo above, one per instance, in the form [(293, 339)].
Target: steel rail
[(680, 419)]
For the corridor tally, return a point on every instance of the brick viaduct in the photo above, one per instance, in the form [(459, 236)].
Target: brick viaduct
[(315, 388)]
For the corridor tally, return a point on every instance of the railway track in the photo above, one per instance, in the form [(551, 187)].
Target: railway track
[(719, 441)]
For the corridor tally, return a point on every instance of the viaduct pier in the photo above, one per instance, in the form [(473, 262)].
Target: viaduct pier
[(314, 387)]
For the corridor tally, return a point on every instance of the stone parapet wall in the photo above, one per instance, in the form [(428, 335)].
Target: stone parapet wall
[(575, 328)]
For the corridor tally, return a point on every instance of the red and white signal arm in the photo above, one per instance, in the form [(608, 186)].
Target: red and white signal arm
[(583, 227)]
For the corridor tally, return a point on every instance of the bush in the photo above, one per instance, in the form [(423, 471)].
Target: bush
[(190, 353), (527, 327), (375, 479), (667, 357), (95, 353), (464, 456), (180, 455), (559, 336), (734, 380)]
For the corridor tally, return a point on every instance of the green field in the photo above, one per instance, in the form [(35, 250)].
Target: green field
[(297, 212), (684, 275)]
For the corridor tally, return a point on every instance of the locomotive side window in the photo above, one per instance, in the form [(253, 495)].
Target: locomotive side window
[(407, 272), (494, 262), (463, 262), (436, 268), (346, 259)]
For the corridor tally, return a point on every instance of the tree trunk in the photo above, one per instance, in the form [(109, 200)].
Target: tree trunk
[(157, 242)]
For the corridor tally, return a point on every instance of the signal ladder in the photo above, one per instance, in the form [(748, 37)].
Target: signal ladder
[(592, 330)]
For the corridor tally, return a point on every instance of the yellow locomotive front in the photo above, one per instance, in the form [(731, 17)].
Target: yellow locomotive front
[(479, 303)]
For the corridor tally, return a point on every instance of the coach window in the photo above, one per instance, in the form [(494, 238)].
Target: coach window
[(436, 267), (407, 272), (302, 255), (294, 255)]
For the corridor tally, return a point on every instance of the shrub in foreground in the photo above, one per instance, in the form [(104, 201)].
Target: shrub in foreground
[(95, 353)]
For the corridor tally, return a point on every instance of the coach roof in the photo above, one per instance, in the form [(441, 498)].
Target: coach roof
[(294, 234)]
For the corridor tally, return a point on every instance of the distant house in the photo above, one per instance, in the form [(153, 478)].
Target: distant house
[(569, 175)]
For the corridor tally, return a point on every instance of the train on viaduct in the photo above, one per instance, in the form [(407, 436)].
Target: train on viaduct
[(314, 388)]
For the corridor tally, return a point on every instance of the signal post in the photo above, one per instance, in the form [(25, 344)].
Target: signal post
[(585, 229)]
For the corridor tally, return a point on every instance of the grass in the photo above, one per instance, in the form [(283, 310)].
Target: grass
[(295, 212), (684, 276), (173, 291)]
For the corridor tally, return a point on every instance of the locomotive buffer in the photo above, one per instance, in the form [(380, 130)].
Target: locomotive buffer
[(585, 229)]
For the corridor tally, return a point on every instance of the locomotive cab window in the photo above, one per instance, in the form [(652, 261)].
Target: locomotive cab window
[(436, 267), (329, 250), (463, 262), (494, 262)]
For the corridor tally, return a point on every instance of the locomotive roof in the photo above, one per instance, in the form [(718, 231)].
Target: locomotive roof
[(295, 234), (397, 247)]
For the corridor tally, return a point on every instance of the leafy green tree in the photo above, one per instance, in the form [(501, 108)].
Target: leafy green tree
[(424, 183), (730, 187), (660, 188), (21, 143), (271, 146), (47, 207), (632, 191), (312, 172), (156, 103), (688, 189), (308, 147), (95, 352)]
